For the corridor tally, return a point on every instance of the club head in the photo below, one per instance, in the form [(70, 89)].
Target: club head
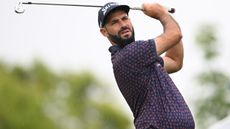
[(19, 9)]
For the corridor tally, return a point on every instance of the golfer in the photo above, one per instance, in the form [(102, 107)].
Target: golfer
[(141, 73)]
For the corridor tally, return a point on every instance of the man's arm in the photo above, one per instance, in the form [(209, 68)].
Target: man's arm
[(170, 40), (173, 59)]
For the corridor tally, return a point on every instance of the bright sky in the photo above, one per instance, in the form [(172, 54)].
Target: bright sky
[(69, 37)]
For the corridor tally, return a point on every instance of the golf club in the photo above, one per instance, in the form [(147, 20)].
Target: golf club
[(20, 9)]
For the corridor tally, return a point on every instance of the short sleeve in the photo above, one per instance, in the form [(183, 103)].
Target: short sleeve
[(158, 59), (139, 55)]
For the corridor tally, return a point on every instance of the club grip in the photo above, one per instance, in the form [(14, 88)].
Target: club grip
[(170, 10)]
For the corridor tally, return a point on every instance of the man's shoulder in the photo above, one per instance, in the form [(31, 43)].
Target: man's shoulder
[(140, 44), (143, 42)]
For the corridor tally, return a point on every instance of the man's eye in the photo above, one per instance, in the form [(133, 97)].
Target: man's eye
[(114, 22), (125, 18)]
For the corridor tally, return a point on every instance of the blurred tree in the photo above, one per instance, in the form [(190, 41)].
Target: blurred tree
[(214, 103), (36, 98)]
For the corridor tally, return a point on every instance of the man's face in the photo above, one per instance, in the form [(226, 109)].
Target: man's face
[(118, 28)]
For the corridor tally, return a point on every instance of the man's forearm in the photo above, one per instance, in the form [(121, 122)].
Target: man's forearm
[(171, 35), (171, 31)]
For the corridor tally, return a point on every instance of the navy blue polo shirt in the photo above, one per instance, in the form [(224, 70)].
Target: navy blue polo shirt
[(152, 96)]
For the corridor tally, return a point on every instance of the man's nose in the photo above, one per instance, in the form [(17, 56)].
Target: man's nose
[(123, 24)]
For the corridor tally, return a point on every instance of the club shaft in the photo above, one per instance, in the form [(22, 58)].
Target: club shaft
[(171, 10), (59, 4)]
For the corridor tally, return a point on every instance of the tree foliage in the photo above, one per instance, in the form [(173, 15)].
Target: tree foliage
[(214, 103), (37, 98)]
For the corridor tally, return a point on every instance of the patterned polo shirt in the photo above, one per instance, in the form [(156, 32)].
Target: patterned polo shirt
[(152, 96)]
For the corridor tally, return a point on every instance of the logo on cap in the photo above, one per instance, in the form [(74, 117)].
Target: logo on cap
[(104, 9), (103, 12)]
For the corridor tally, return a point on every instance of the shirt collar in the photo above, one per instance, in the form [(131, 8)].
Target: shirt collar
[(113, 49)]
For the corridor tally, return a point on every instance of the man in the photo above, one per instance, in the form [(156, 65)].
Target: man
[(140, 72)]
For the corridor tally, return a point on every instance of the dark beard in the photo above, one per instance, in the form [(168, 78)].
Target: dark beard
[(122, 42)]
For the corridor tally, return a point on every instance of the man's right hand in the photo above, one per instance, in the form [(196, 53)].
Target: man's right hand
[(155, 10)]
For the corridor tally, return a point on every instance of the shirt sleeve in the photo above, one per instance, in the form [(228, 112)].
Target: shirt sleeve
[(142, 54), (157, 58)]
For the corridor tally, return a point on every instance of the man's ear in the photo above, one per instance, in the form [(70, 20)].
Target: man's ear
[(104, 32)]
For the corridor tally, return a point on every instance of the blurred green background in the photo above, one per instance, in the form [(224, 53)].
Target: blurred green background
[(37, 98)]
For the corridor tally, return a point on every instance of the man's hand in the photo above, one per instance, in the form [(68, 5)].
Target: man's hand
[(154, 10)]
